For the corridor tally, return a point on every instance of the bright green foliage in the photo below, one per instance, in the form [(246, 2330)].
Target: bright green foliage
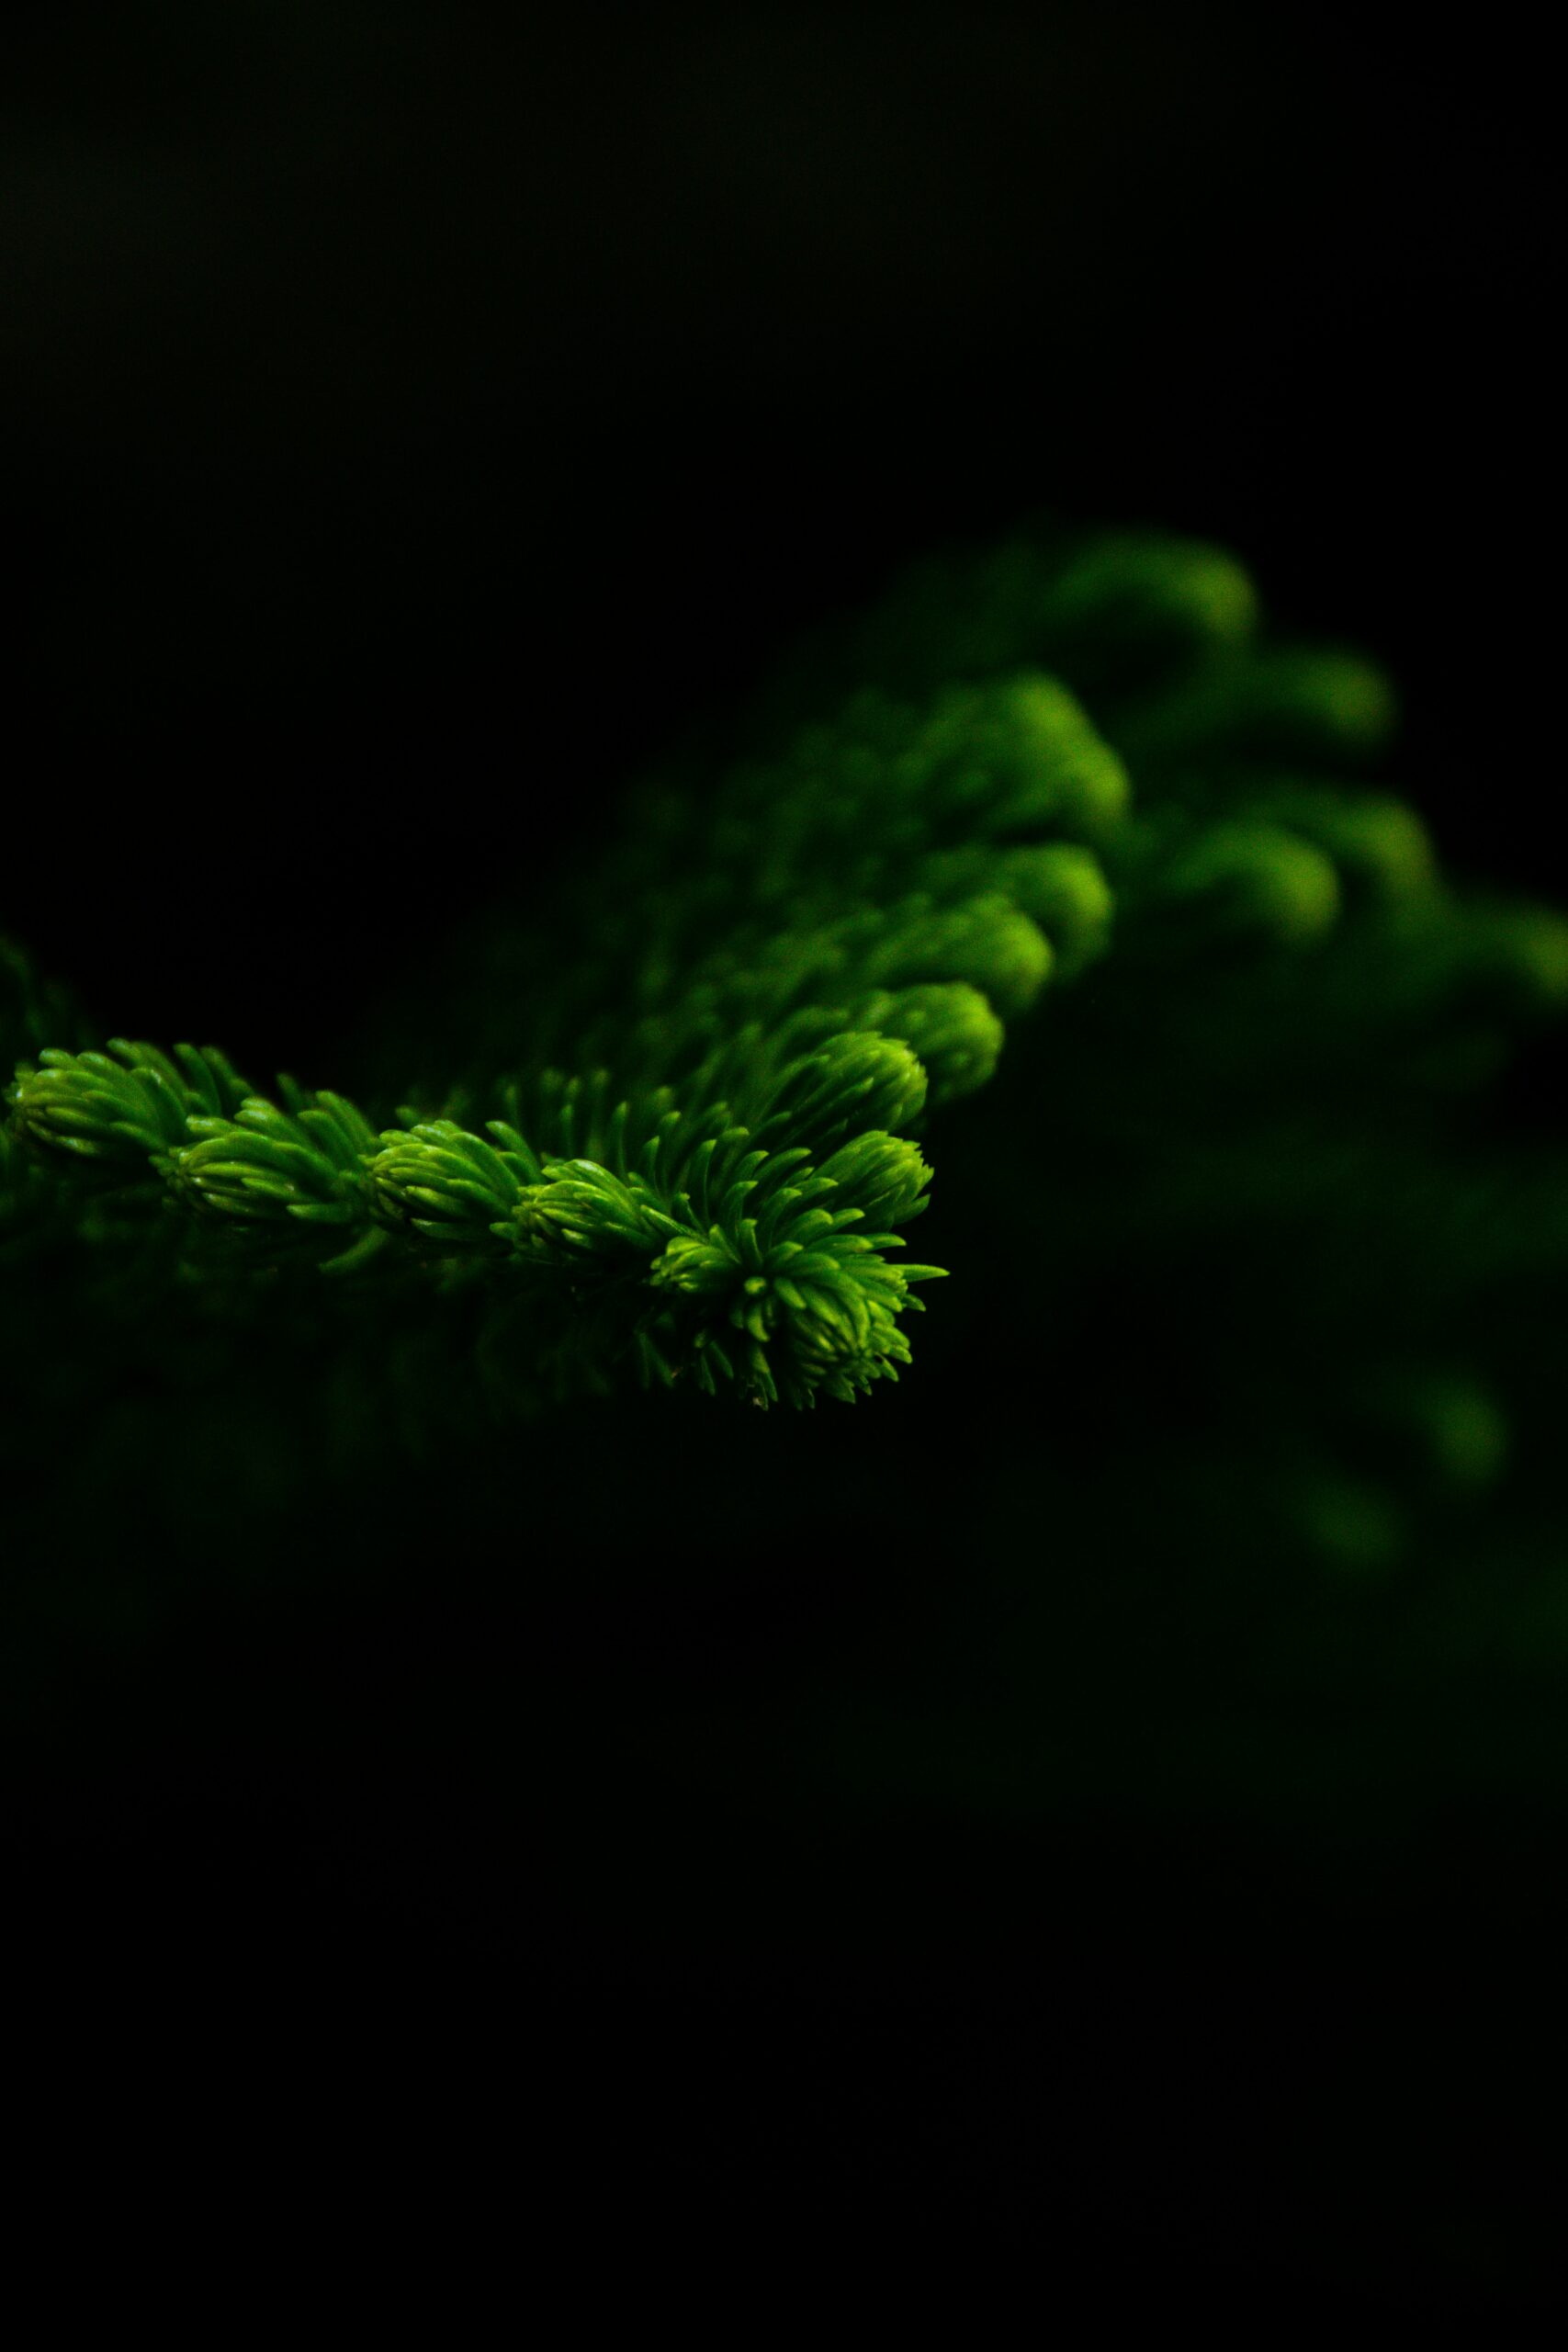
[(113, 1112), (1217, 1530), (678, 1141)]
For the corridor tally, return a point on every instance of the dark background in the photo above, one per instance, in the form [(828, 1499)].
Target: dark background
[(415, 415), (412, 417)]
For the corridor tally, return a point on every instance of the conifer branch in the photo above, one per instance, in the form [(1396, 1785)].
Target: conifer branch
[(685, 1146)]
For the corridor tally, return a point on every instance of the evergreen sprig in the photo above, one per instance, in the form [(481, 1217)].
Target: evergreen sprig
[(681, 1142)]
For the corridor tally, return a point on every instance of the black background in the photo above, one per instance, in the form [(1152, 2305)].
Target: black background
[(415, 415)]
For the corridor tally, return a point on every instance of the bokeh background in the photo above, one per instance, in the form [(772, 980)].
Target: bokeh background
[(412, 419)]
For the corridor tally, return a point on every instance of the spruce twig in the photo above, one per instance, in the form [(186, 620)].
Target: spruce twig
[(694, 1129)]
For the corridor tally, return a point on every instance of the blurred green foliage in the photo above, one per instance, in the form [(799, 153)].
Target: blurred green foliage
[(1250, 1357)]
